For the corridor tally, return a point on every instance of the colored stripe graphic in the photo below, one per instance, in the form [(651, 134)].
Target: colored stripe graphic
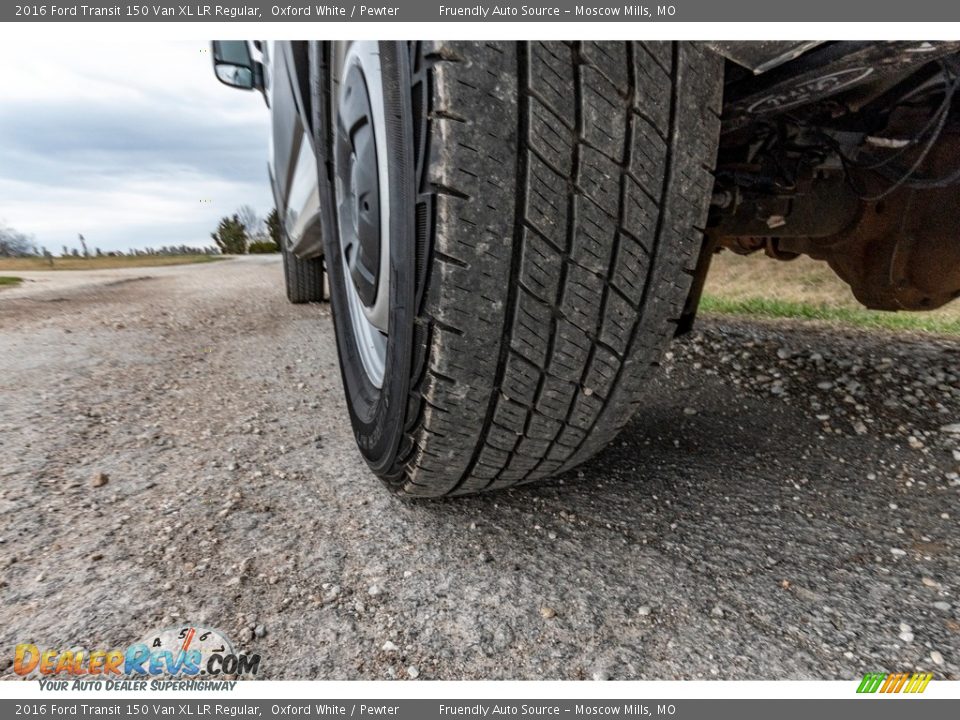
[(894, 682), (919, 682), (871, 682)]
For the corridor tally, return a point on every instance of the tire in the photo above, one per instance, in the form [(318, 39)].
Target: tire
[(303, 278), (547, 204)]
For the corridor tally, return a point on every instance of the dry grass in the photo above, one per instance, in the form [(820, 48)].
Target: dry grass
[(806, 289), (102, 263)]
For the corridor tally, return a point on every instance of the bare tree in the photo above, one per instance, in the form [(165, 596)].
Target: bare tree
[(83, 244), (14, 243), (252, 222)]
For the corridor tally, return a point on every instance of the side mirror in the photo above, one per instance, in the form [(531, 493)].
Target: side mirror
[(234, 65)]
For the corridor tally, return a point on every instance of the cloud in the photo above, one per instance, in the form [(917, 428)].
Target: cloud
[(131, 144)]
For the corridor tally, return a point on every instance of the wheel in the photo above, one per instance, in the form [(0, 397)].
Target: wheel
[(516, 228), (303, 278)]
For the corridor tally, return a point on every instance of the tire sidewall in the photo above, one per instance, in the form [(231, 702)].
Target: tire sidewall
[(377, 414)]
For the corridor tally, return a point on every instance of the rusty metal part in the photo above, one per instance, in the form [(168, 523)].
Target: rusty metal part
[(824, 72), (770, 246), (821, 207), (901, 253)]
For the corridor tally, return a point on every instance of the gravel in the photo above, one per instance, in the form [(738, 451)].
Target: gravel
[(236, 496)]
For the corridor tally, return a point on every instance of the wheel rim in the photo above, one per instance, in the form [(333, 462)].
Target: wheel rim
[(363, 204)]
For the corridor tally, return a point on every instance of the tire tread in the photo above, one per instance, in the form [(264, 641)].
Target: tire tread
[(562, 240), (304, 279)]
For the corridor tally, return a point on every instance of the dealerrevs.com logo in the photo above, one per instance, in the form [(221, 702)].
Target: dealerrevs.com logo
[(186, 652)]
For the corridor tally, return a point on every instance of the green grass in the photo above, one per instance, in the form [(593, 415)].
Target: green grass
[(7, 281), (870, 319)]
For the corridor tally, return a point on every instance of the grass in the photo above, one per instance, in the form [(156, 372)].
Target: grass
[(873, 319), (7, 281), (103, 263), (804, 289)]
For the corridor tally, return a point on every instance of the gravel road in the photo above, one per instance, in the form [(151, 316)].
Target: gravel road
[(175, 448)]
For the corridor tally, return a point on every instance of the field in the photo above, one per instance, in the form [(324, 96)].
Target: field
[(24, 264), (757, 286)]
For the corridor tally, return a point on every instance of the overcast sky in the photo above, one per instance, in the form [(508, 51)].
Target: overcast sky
[(122, 141)]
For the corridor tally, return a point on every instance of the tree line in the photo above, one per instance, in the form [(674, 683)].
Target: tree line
[(237, 234), (244, 232)]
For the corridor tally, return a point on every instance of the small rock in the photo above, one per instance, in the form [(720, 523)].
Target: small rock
[(100, 479), (374, 590), (915, 442), (689, 411), (897, 552), (951, 429), (644, 610), (601, 675), (548, 612), (860, 428), (936, 657), (389, 646), (930, 582), (259, 631), (717, 611), (413, 671), (942, 605)]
